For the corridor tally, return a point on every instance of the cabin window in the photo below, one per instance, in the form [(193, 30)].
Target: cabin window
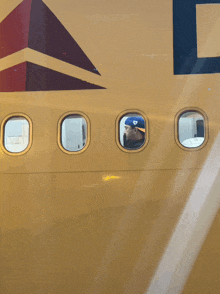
[(132, 131), (16, 134), (74, 133), (191, 129)]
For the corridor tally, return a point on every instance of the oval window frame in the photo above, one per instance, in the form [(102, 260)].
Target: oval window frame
[(4, 121), (88, 132), (117, 127), (176, 128)]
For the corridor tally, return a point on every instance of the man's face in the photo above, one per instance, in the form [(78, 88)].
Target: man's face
[(130, 133)]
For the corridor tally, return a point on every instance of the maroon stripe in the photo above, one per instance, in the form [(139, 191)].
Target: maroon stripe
[(14, 29), (49, 36), (40, 78), (32, 24), (13, 79)]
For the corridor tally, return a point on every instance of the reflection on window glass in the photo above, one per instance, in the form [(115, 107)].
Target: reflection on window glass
[(132, 131), (16, 134), (73, 133), (191, 129)]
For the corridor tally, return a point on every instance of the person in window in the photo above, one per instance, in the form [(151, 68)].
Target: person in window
[(134, 134)]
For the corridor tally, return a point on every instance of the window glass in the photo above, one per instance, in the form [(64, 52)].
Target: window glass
[(132, 131), (73, 133), (191, 130), (16, 134)]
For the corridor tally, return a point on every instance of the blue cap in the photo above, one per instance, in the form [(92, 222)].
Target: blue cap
[(136, 122)]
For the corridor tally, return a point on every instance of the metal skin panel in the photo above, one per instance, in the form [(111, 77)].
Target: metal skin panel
[(100, 221), (205, 273), (80, 233)]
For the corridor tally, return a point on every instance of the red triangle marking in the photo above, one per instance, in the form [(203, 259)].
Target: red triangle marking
[(28, 76), (13, 79), (40, 78), (49, 36), (32, 24), (14, 29)]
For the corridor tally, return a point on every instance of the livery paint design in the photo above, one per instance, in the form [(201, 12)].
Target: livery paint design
[(28, 76), (33, 25), (185, 40)]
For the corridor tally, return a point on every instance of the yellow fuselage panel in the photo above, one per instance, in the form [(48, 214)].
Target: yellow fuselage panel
[(99, 221)]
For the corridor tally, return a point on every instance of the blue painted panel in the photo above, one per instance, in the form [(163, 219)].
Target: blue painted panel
[(185, 40)]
